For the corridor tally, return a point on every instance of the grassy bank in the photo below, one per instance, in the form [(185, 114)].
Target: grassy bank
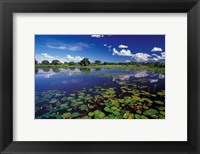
[(160, 70)]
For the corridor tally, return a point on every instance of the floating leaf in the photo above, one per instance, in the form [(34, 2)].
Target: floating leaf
[(161, 116), (98, 114), (137, 116), (162, 112), (128, 115), (161, 108), (66, 115), (84, 107), (146, 100), (143, 117), (159, 102), (150, 112), (53, 101), (90, 114), (64, 106), (75, 114)]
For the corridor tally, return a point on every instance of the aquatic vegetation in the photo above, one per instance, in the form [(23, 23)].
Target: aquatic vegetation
[(126, 97)]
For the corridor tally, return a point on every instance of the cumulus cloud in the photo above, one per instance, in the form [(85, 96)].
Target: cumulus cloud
[(47, 56), (128, 61), (156, 49), (157, 57), (97, 36), (69, 46), (74, 59), (123, 46), (123, 52), (141, 57)]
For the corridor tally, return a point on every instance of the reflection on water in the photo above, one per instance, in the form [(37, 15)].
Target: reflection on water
[(98, 86), (85, 78)]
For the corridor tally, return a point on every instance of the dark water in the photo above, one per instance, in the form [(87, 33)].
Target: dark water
[(70, 81)]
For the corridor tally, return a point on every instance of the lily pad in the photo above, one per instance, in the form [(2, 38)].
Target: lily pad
[(128, 115), (84, 107), (98, 114), (75, 114), (150, 112), (64, 106), (53, 101), (162, 112), (66, 115), (161, 108), (137, 116), (159, 102), (161, 116)]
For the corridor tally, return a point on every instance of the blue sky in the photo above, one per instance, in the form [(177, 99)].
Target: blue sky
[(107, 48)]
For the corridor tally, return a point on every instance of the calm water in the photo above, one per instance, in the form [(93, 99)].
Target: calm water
[(70, 81)]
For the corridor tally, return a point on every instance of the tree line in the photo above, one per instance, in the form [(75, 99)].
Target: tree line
[(86, 62)]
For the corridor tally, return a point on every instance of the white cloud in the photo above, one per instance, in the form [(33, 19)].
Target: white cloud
[(128, 61), (97, 36), (47, 56), (157, 57), (69, 47), (74, 59), (155, 49), (108, 46), (123, 46), (123, 52), (141, 57)]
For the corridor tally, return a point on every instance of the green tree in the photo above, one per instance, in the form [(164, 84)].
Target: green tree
[(71, 63), (98, 62), (45, 62), (55, 62), (36, 62), (84, 62)]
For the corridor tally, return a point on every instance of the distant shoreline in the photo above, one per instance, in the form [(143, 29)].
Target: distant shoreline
[(155, 69)]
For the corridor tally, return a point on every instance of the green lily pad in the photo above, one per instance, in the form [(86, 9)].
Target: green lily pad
[(161, 108), (90, 114), (86, 117), (75, 114), (161, 116), (143, 117), (98, 114), (53, 101), (146, 100), (139, 112), (107, 109), (150, 112), (70, 109), (66, 115), (162, 112), (83, 107), (64, 106), (159, 102), (128, 115), (137, 116)]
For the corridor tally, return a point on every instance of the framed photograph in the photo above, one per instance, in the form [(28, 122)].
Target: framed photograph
[(99, 76)]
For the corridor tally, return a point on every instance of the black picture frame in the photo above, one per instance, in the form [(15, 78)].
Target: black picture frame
[(8, 7)]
